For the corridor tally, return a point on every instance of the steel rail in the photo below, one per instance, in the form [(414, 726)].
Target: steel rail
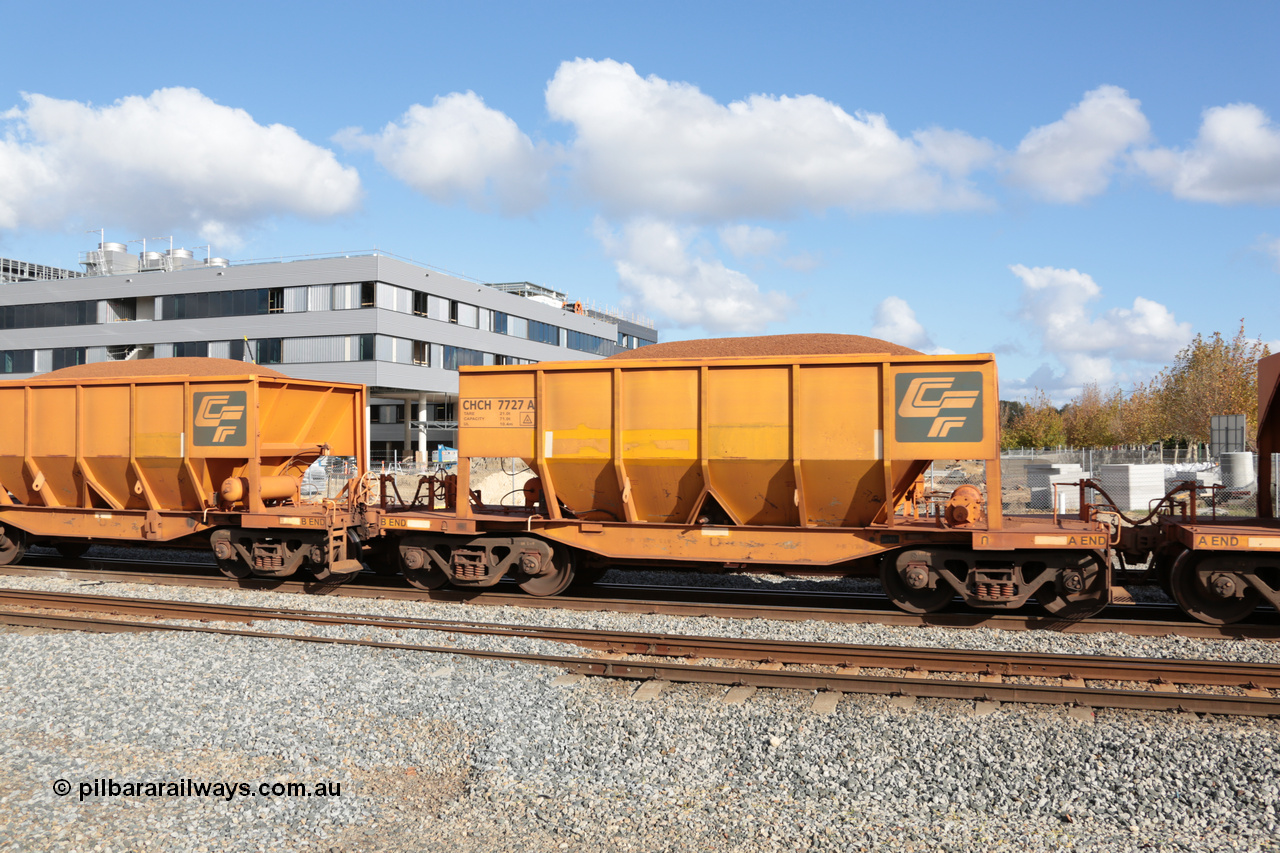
[(910, 658), (995, 621), (1090, 697)]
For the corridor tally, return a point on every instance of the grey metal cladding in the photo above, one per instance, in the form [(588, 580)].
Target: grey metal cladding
[(324, 348), (319, 297), (295, 299)]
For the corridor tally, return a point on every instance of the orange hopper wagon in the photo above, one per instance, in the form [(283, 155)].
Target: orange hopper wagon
[(167, 450)]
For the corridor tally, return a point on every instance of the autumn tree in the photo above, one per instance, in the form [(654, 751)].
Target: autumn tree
[(1039, 425), (1142, 418), (1010, 411), (1092, 419), (1211, 376)]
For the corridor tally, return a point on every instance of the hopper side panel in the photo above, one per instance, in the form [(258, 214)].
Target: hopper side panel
[(840, 443), (13, 441), (659, 447), (577, 424), (749, 443)]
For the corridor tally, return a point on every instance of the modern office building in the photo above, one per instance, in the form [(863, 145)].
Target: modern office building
[(399, 327)]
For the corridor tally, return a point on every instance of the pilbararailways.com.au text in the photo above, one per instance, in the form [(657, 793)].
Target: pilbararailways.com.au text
[(193, 788)]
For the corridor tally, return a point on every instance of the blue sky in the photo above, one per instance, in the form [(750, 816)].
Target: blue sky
[(1079, 189)]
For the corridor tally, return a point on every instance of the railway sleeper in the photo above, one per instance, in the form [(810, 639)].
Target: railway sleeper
[(1068, 584)]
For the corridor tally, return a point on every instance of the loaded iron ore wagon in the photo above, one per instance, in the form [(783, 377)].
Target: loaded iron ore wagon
[(793, 461), (181, 451), (798, 461)]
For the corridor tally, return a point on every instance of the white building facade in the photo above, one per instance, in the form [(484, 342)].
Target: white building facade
[(396, 326)]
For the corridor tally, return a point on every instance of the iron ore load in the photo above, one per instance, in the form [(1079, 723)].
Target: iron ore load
[(796, 453)]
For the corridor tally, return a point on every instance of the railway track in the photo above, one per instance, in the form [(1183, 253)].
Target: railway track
[(1068, 674), (784, 605)]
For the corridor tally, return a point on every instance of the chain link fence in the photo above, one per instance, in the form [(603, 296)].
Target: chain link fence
[(1039, 483)]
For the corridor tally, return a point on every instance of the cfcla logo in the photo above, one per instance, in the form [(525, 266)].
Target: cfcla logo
[(219, 418), (928, 396)]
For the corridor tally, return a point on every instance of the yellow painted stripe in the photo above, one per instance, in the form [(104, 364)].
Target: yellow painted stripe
[(293, 522), (1264, 542), (1052, 540), (714, 531)]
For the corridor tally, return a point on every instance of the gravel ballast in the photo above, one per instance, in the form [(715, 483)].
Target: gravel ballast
[(448, 752)]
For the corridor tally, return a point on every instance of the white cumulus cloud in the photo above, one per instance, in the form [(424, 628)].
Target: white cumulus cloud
[(660, 275), (744, 240), (895, 321), (1235, 159), (459, 149), (1058, 305), (1075, 157), (172, 159), (648, 146)]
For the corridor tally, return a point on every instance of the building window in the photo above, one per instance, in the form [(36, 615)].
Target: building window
[(365, 350), (275, 300), (236, 351), (219, 303), (544, 333), (270, 351), (122, 309), (67, 357), (191, 349), (18, 361), (582, 342), (368, 294), (421, 354), (464, 315), (49, 314), (455, 357)]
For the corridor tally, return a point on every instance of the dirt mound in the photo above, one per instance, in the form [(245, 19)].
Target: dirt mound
[(162, 367), (769, 345)]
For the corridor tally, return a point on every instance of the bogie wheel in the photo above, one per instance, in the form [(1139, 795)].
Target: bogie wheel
[(1204, 602), (1091, 598), (429, 577), (419, 569), (227, 557), (71, 550), (558, 575), (908, 599), (13, 545), (1162, 565)]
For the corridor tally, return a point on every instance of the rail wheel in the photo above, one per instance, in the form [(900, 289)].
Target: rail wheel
[(13, 545), (922, 600), (556, 574), (426, 577), (227, 557), (420, 570), (1162, 564), (72, 550), (1087, 598), (1219, 599)]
